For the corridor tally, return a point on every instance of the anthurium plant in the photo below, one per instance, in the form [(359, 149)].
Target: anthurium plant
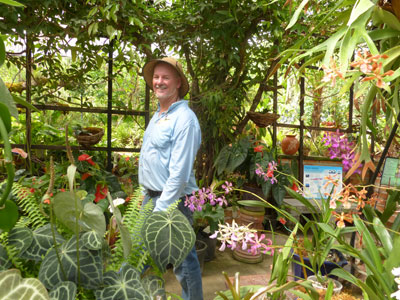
[(71, 252)]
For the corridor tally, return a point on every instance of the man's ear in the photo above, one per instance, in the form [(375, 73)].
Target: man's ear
[(179, 82)]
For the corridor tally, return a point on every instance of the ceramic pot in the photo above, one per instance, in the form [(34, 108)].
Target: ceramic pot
[(326, 268), (337, 286), (201, 250), (211, 245), (290, 144), (256, 218), (244, 256)]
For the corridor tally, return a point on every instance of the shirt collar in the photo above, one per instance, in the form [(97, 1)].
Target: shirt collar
[(173, 106)]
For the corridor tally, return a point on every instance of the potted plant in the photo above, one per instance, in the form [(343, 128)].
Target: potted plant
[(207, 205), (247, 157)]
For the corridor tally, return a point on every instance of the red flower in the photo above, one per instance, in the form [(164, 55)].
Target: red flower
[(32, 190), (62, 190), (127, 158), (86, 157), (46, 201), (85, 176), (270, 173), (295, 187), (282, 221), (258, 148), (101, 192)]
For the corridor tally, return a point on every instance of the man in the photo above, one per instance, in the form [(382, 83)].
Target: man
[(170, 144)]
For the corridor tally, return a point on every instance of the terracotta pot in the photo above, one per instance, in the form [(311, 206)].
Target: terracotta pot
[(290, 144)]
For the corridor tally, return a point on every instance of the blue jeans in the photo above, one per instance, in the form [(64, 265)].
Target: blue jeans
[(188, 272)]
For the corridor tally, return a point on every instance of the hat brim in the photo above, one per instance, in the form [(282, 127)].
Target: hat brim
[(148, 71)]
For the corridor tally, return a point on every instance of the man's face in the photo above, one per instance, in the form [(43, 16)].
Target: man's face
[(166, 82)]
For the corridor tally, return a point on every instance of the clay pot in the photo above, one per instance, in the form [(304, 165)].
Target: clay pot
[(290, 144)]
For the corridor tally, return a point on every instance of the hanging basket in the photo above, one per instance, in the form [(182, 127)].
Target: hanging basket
[(90, 136), (262, 120)]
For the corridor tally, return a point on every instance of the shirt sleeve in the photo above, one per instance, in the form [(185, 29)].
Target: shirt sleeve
[(183, 154)]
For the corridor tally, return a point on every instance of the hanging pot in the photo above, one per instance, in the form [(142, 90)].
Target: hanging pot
[(290, 144)]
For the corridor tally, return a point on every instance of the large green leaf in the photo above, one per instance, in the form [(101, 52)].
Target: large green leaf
[(7, 100), (14, 287), (168, 237), (123, 286), (5, 117), (90, 265), (8, 215), (384, 236), (63, 291), (41, 243), (5, 262), (20, 238), (91, 217), (362, 7), (371, 247), (296, 14)]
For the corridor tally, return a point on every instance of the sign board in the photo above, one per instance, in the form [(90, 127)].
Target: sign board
[(316, 183), (391, 172)]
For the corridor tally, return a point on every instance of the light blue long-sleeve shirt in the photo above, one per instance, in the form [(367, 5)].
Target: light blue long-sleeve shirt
[(170, 145)]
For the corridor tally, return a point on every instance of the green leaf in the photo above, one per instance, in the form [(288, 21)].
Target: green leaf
[(90, 265), (19, 100), (2, 52), (5, 262), (7, 100), (8, 215), (65, 290), (371, 247), (41, 243), (123, 286), (91, 217), (296, 14), (11, 2), (383, 16), (154, 286), (124, 232), (383, 235), (168, 237), (5, 117), (20, 238), (362, 7), (13, 286), (92, 240)]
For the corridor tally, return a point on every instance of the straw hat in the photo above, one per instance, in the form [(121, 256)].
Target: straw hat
[(148, 71)]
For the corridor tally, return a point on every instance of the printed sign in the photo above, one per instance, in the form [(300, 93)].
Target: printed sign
[(316, 182), (391, 172)]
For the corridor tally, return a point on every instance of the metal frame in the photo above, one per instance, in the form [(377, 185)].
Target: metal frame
[(109, 111)]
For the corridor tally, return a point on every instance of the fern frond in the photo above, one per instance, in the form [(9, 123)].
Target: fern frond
[(29, 205), (134, 217)]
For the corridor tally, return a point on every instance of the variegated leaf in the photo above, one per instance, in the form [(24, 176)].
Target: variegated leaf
[(123, 286), (14, 287), (155, 286), (92, 240), (5, 262), (41, 243), (90, 264), (63, 291), (168, 237), (20, 238)]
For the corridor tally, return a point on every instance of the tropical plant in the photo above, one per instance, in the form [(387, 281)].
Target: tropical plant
[(377, 254), (249, 157), (362, 49)]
